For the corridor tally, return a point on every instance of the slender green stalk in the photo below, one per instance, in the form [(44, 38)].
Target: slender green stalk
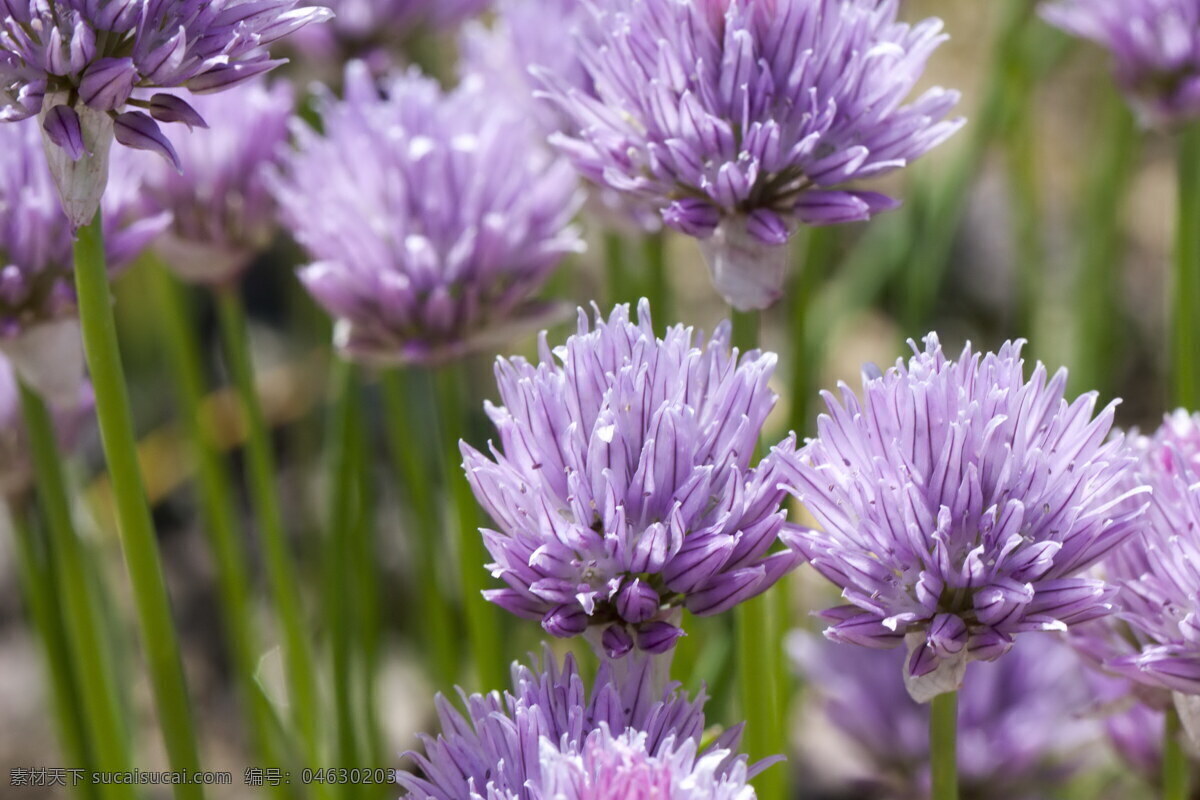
[(281, 571), (217, 506), (616, 278), (1185, 293), (1098, 282), (1024, 176), (342, 621), (401, 396), (759, 639), (656, 283), (365, 575), (42, 588), (1175, 762), (483, 621), (943, 745), (814, 265), (139, 544)]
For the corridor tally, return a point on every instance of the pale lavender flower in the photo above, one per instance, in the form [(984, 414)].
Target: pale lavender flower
[(1023, 721), (432, 217), (72, 416), (623, 486), (85, 68), (1155, 47), (550, 737), (39, 330), (1158, 575), (741, 120), (224, 213), (959, 503)]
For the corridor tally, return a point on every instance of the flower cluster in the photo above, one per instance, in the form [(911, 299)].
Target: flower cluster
[(1159, 575), (223, 211), (623, 487), (38, 328), (432, 217), (740, 120), (959, 502), (83, 67), (549, 737), (364, 20), (1155, 46), (1005, 747)]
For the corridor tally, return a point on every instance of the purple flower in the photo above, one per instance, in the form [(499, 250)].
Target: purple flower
[(1007, 747), (72, 416), (84, 67), (1155, 46), (741, 120), (549, 737), (432, 217), (959, 502), (382, 20), (223, 211), (1158, 574), (623, 485), (38, 327)]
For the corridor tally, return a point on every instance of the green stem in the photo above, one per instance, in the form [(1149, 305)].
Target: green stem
[(138, 542), (342, 620), (483, 621), (656, 284), (42, 588), (818, 253), (615, 275), (1185, 293), (1175, 763), (401, 396), (943, 745), (281, 572), (1026, 203), (759, 639), (216, 495), (1098, 282)]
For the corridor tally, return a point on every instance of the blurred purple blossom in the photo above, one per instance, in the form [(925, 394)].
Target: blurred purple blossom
[(223, 211), (550, 737), (1155, 47), (38, 327), (959, 503), (740, 121), (623, 485), (85, 67), (1023, 721), (432, 217)]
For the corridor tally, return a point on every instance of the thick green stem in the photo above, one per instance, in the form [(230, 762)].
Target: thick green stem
[(217, 507), (1026, 205), (656, 284), (759, 640), (1098, 282), (943, 746), (483, 620), (342, 621), (281, 571), (138, 541), (616, 276), (402, 393), (1185, 291), (42, 588), (1175, 762)]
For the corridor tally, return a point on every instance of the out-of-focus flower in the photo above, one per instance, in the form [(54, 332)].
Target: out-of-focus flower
[(542, 35), (623, 485), (85, 67), (959, 504), (1006, 748), (432, 217), (72, 415), (741, 120), (1158, 575), (1155, 46), (38, 327), (549, 737), (223, 211)]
